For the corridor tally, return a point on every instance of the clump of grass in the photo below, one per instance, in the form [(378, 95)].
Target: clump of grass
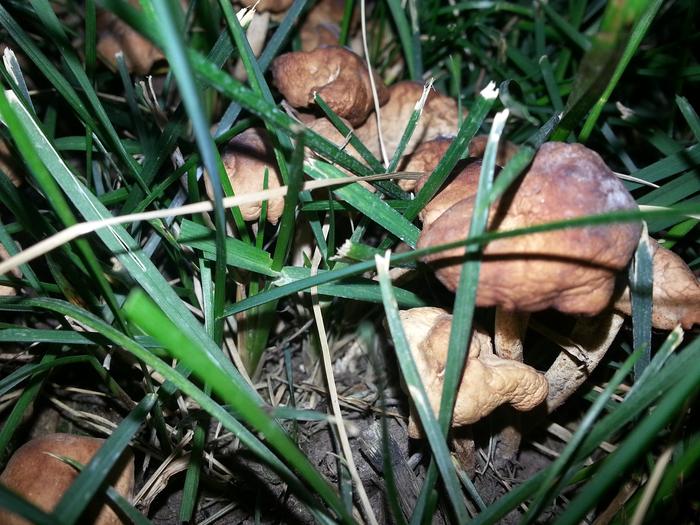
[(177, 311)]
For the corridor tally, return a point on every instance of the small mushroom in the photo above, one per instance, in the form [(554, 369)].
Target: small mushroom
[(338, 75), (116, 36), (675, 295), (321, 27), (488, 380), (506, 149), (246, 157), (424, 159), (462, 185), (440, 118), (38, 476)]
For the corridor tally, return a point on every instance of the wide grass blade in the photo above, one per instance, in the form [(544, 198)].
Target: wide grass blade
[(434, 434), (86, 485)]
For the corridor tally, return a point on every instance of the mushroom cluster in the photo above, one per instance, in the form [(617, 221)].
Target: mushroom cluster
[(36, 472)]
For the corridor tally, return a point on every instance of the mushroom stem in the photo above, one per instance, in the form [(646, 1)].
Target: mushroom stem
[(509, 332), (569, 371), (510, 329)]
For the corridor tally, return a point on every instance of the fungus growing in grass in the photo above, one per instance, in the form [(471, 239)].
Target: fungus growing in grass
[(38, 476), (321, 26), (572, 270), (488, 380), (440, 118), (675, 295), (506, 149), (338, 75), (116, 36), (461, 186), (247, 157), (424, 159)]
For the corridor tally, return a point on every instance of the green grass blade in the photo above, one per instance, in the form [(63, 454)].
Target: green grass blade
[(411, 55), (641, 282), (366, 202), (18, 505), (691, 117), (88, 482), (638, 33), (431, 428), (636, 443), (175, 51), (147, 315)]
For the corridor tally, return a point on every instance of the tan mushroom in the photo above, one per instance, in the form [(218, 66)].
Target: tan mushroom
[(424, 159), (116, 36), (462, 185), (440, 118), (38, 476), (321, 26), (338, 75), (675, 295), (506, 149), (246, 158), (572, 270), (488, 381)]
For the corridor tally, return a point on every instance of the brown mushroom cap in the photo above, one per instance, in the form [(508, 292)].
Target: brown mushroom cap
[(321, 27), (462, 185), (440, 118), (338, 75), (488, 380), (506, 149), (424, 159), (572, 270), (246, 157), (115, 35), (43, 479), (675, 295)]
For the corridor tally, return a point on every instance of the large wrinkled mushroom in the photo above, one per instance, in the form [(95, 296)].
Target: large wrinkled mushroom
[(675, 294), (38, 476), (572, 270), (440, 118), (338, 75), (247, 157), (116, 36), (488, 381)]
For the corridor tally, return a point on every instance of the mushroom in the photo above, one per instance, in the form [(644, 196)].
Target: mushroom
[(572, 270), (116, 36), (462, 185), (440, 118), (246, 158), (506, 149), (338, 75), (424, 159), (488, 380), (321, 27), (38, 476), (675, 295)]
